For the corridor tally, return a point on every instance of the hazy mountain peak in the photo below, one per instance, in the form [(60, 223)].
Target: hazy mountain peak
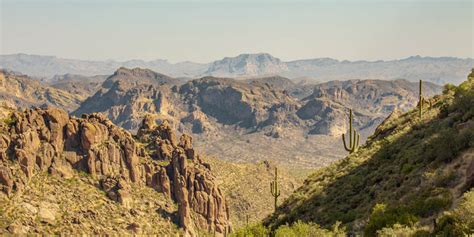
[(247, 65)]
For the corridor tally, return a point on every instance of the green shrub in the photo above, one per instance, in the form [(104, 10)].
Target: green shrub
[(257, 230), (382, 217), (10, 120), (402, 231), (297, 229), (301, 229), (431, 202), (448, 88), (459, 222)]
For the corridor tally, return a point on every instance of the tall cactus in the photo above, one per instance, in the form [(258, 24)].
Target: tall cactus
[(420, 101), (274, 190), (354, 137)]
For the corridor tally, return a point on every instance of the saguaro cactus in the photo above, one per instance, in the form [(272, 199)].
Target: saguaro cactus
[(420, 101), (354, 137), (274, 190)]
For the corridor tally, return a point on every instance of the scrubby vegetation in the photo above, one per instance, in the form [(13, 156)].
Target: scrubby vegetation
[(298, 229), (460, 221), (405, 178)]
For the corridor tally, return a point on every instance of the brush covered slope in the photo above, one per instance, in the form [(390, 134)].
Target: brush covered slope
[(408, 172), (246, 187), (158, 181)]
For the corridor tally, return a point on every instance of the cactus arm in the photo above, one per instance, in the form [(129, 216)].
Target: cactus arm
[(350, 128), (344, 142)]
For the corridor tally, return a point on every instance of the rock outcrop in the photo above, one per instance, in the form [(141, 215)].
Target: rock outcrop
[(39, 140)]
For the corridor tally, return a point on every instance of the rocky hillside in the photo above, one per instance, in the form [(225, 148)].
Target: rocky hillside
[(22, 91), (82, 86), (408, 172), (49, 160), (222, 112), (372, 100)]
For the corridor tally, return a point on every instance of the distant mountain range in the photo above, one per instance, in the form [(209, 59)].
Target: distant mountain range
[(439, 70)]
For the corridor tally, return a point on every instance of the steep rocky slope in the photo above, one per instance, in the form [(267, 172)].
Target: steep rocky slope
[(22, 91), (37, 141), (408, 172)]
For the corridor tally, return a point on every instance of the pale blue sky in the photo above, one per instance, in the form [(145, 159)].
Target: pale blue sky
[(206, 30)]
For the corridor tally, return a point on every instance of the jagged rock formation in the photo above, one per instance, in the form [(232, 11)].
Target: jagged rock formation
[(49, 140), (22, 91)]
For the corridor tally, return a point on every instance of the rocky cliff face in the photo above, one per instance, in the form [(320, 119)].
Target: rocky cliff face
[(233, 102), (49, 140)]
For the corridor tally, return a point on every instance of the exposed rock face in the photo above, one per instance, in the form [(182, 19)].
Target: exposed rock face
[(233, 102), (48, 140), (192, 184)]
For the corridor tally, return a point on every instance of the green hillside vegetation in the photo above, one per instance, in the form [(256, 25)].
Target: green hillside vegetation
[(412, 176)]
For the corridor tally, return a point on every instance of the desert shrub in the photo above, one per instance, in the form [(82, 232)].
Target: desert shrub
[(430, 202), (445, 179), (301, 229), (402, 231), (464, 98), (382, 217), (9, 120), (459, 222), (256, 230), (448, 88)]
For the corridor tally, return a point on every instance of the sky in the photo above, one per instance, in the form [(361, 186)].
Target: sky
[(207, 30)]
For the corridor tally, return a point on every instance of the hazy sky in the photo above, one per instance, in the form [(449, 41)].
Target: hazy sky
[(206, 30)]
